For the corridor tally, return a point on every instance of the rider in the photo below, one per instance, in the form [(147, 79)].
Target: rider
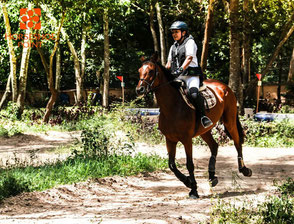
[(182, 61)]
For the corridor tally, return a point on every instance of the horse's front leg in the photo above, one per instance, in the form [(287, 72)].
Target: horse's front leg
[(190, 166), (188, 181)]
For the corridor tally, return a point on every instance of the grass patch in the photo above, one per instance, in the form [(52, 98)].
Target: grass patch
[(104, 152), (75, 169), (277, 209)]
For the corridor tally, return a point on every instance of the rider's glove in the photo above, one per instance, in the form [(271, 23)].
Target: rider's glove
[(178, 72)]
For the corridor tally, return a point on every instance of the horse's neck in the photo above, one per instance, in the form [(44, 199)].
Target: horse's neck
[(167, 97)]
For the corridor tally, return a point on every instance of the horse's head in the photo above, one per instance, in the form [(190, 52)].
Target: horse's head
[(148, 73)]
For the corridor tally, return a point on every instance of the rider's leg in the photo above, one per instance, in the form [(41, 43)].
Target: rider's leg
[(193, 84)]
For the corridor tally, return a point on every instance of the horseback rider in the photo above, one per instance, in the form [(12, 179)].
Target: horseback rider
[(182, 61)]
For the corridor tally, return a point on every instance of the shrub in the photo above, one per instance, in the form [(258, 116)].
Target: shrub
[(269, 134), (3, 132), (278, 210)]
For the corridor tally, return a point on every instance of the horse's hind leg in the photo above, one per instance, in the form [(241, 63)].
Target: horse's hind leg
[(213, 146), (188, 181), (233, 126)]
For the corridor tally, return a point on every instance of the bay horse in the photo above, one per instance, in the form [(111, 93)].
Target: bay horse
[(179, 123)]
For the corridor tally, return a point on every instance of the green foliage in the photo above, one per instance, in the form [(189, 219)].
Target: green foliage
[(269, 134), (287, 187), (226, 212), (75, 169), (130, 37), (11, 186), (277, 209), (3, 132), (11, 111)]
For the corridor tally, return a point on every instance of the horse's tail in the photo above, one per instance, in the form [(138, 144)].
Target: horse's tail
[(240, 130)]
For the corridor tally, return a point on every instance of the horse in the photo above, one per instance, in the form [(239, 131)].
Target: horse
[(179, 123)]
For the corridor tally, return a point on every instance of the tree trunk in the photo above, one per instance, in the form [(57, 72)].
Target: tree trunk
[(161, 33), (23, 75), (280, 80), (12, 57), (83, 51), (105, 102), (277, 50), (207, 34), (6, 93), (58, 70), (235, 78), (152, 28), (246, 44), (291, 69), (44, 62), (53, 91), (77, 67)]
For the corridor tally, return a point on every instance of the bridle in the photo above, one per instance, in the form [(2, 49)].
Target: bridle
[(150, 87), (150, 84)]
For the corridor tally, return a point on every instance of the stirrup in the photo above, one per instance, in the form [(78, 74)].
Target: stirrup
[(208, 123)]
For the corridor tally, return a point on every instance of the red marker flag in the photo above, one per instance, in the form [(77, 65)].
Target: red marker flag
[(258, 76), (121, 78)]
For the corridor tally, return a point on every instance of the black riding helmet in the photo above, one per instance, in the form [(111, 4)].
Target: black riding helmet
[(179, 25)]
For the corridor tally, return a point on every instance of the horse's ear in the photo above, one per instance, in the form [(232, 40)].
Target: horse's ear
[(154, 57), (142, 58)]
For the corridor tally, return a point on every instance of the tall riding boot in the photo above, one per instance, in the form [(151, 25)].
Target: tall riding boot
[(205, 121), (198, 102)]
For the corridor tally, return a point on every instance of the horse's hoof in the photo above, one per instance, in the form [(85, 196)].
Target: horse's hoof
[(246, 171), (193, 194), (213, 182), (249, 173)]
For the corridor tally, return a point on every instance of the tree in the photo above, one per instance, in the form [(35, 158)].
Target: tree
[(150, 13), (105, 95), (235, 78), (245, 67), (285, 36), (23, 74), (291, 68), (52, 87), (161, 34), (207, 34), (12, 59)]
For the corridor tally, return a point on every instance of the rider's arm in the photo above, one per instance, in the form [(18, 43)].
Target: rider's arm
[(169, 58), (168, 65), (187, 62), (191, 51)]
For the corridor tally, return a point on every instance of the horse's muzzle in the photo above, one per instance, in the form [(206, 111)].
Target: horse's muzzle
[(140, 90)]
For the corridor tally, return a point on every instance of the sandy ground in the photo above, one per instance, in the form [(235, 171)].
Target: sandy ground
[(147, 198)]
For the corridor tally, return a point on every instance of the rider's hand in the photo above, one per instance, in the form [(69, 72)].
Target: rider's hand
[(178, 72)]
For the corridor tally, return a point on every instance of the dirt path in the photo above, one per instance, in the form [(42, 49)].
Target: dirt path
[(157, 197)]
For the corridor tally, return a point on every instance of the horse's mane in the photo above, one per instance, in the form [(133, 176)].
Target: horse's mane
[(166, 72)]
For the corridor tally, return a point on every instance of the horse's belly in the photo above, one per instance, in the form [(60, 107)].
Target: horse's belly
[(176, 129)]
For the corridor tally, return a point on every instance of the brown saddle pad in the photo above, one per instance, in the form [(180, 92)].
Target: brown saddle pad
[(210, 99)]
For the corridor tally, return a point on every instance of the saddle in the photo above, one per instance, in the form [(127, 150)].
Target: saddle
[(204, 91)]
